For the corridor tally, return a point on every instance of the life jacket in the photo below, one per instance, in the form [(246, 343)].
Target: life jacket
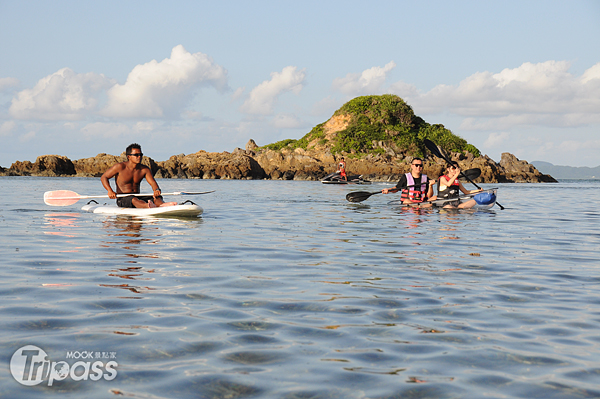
[(413, 193), (449, 192), (342, 168)]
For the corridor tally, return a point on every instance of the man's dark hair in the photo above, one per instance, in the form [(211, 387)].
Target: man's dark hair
[(131, 147), (416, 159)]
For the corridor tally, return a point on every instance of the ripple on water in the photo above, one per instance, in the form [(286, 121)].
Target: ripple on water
[(285, 290)]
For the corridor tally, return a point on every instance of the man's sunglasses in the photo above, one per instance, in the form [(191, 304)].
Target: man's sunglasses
[(418, 165), (136, 155)]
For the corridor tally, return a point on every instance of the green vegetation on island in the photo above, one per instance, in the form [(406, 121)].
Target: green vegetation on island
[(372, 119)]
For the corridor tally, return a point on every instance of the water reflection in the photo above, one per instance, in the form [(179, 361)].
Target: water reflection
[(136, 242), (61, 224), (131, 235)]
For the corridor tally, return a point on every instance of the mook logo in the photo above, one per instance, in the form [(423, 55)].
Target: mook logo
[(31, 366)]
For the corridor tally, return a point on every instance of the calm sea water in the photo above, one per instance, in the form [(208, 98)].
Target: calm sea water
[(282, 289)]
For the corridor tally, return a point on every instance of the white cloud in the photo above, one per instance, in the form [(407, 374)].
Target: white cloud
[(27, 136), (367, 82), (404, 90), (543, 94), (154, 90), (262, 98), (285, 121), (144, 126), (325, 107), (237, 93), (63, 95), (159, 89), (104, 130), (495, 139), (592, 74), (8, 83), (190, 114), (572, 146), (6, 128)]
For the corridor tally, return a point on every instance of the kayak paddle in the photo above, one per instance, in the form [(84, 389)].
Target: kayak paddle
[(360, 196), (66, 197), (435, 151)]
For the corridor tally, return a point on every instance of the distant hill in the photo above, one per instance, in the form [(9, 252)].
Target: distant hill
[(567, 172), (371, 124)]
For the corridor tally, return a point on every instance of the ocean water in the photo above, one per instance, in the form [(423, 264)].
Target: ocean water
[(282, 289)]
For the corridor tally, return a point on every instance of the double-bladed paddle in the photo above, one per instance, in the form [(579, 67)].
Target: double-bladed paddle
[(360, 196), (67, 197), (435, 151)]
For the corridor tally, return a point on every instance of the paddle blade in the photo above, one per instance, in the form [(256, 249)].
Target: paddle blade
[(60, 197), (433, 149), (359, 196), (472, 173)]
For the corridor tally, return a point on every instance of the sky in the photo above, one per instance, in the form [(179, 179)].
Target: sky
[(80, 78)]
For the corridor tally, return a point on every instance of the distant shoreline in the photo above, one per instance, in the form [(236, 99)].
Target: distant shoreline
[(567, 172)]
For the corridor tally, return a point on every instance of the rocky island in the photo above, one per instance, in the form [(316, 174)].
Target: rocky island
[(378, 136)]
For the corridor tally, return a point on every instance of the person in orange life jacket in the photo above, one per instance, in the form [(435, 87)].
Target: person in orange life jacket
[(342, 169), (416, 194), (450, 187)]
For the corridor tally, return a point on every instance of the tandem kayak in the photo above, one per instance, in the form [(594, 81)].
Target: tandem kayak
[(184, 210), (336, 178), (485, 199)]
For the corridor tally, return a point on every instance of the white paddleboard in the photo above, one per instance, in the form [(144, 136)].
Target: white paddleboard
[(188, 210)]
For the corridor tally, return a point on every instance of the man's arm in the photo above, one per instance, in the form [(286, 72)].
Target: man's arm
[(106, 176), (401, 183), (150, 179)]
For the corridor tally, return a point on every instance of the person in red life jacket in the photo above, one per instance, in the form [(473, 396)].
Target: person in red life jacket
[(451, 187), (342, 169), (417, 193)]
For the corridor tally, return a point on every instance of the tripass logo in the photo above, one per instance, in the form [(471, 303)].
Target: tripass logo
[(30, 366)]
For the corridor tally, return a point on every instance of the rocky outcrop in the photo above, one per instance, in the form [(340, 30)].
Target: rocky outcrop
[(45, 165), (211, 165), (96, 166), (520, 171), (286, 164)]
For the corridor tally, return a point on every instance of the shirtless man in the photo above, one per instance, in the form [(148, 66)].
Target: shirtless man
[(128, 176)]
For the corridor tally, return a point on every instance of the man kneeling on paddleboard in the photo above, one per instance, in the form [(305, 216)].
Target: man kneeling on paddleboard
[(128, 176)]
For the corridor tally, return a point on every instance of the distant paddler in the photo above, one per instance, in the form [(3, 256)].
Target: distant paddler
[(342, 169), (128, 176), (414, 186), (450, 187)]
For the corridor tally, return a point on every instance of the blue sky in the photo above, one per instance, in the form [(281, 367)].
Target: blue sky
[(79, 78)]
